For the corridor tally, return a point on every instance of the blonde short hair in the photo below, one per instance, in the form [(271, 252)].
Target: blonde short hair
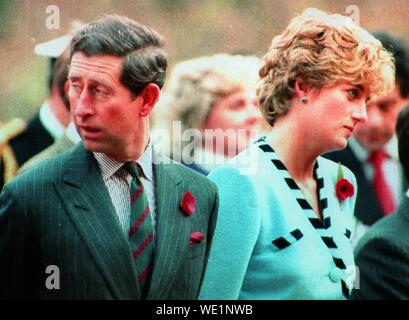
[(195, 85), (321, 49)]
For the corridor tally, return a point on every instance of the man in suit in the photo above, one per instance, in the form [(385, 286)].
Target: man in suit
[(382, 255), (45, 126), (372, 153), (114, 219)]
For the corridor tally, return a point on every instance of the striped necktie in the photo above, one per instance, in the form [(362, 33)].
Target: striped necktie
[(140, 235)]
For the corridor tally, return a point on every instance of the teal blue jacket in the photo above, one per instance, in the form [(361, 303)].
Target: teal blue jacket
[(249, 258)]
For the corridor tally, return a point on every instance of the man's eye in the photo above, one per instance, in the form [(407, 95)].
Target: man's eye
[(75, 87), (384, 106), (101, 92)]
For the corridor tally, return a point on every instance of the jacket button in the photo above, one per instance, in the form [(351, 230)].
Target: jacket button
[(336, 274)]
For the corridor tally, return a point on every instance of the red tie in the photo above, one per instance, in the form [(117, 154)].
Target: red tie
[(382, 189)]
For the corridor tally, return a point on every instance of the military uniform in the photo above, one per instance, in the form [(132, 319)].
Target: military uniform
[(19, 141)]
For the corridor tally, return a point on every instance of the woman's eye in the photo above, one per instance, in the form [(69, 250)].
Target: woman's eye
[(237, 104), (353, 93)]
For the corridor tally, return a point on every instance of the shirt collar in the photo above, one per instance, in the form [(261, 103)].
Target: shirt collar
[(207, 159), (110, 166), (50, 122), (72, 134), (362, 154)]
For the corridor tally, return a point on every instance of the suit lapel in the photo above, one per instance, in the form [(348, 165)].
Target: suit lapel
[(63, 143), (88, 203), (403, 208), (172, 227), (367, 208)]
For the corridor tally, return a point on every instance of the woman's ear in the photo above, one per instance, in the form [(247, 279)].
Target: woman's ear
[(300, 88), (301, 91), (149, 97)]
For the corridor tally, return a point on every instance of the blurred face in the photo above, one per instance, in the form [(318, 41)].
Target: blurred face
[(334, 113), (382, 116), (105, 114), (238, 110)]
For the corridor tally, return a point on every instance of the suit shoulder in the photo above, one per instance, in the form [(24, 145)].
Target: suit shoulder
[(339, 155), (46, 170), (187, 173), (381, 234)]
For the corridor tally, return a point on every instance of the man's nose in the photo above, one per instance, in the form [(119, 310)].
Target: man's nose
[(375, 117), (360, 114), (84, 106)]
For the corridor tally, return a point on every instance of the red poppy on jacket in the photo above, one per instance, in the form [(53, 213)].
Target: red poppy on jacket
[(344, 189), (188, 203)]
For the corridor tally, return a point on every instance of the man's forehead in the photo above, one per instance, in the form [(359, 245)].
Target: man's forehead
[(388, 99), (82, 64)]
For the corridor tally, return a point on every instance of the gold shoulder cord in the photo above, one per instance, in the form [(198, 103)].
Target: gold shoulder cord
[(8, 131)]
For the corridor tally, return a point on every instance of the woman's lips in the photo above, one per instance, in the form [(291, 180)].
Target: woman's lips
[(350, 128)]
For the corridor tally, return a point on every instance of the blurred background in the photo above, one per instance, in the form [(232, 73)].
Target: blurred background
[(191, 28)]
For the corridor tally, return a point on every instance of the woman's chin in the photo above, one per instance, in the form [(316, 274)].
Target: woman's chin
[(338, 146)]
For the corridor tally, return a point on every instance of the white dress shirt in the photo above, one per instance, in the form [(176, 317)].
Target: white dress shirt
[(72, 133), (391, 166), (50, 122), (118, 183), (392, 173)]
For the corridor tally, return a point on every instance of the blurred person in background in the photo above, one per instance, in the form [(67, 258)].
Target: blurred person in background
[(382, 254), (70, 137), (372, 152), (45, 126), (283, 231), (213, 94)]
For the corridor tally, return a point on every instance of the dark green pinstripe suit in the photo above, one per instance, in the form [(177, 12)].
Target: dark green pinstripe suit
[(60, 213)]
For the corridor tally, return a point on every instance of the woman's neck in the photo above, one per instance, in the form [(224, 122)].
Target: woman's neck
[(295, 148)]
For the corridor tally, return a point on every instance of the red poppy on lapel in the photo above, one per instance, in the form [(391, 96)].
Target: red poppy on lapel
[(188, 203), (344, 189), (196, 237)]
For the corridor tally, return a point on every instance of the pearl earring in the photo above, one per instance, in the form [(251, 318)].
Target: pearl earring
[(304, 100)]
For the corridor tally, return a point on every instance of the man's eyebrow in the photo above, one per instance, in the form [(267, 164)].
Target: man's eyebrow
[(73, 77), (387, 100), (91, 81)]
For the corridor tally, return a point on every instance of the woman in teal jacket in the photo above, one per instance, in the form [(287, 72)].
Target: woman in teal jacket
[(285, 215)]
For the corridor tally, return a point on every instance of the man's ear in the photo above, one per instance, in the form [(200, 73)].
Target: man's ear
[(149, 97), (67, 88)]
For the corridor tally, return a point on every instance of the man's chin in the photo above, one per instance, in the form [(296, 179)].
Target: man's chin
[(372, 146), (93, 146)]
